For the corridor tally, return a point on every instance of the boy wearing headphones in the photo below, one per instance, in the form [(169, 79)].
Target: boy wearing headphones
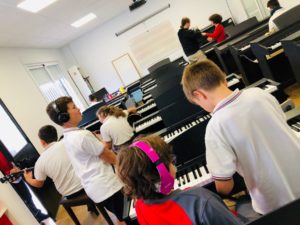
[(90, 159), (147, 171)]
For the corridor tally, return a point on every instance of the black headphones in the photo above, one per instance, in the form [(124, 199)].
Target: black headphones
[(62, 117)]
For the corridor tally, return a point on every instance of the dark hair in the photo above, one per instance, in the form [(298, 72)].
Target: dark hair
[(184, 21), (215, 18), (111, 110), (273, 4), (48, 134), (61, 107), (138, 174), (92, 97)]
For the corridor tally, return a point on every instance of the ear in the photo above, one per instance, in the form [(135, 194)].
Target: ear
[(43, 143), (199, 94)]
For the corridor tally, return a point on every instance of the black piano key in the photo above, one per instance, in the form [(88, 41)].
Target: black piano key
[(206, 169), (179, 183), (199, 172), (187, 177), (194, 173)]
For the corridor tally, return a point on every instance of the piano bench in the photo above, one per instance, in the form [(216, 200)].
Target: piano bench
[(83, 200)]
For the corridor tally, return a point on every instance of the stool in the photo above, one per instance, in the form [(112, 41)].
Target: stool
[(83, 200)]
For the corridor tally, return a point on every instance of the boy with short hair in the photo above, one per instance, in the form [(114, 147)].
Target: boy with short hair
[(147, 171), (90, 158), (247, 133)]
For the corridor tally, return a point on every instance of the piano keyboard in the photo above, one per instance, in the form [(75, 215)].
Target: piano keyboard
[(172, 135), (148, 123), (150, 88), (146, 97), (232, 82), (245, 48), (146, 108), (147, 84), (276, 45), (269, 88), (198, 176)]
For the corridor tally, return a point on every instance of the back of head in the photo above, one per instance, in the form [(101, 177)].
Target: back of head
[(48, 134), (184, 21), (92, 98), (204, 75), (215, 18), (273, 4), (110, 110), (58, 109), (139, 175)]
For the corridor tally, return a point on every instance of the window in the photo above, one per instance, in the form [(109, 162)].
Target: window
[(52, 83)]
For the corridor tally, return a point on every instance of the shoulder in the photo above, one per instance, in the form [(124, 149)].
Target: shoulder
[(196, 193)]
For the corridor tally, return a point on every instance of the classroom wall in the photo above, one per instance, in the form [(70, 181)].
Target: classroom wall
[(19, 92), (95, 51)]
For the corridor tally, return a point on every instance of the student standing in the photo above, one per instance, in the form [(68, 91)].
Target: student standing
[(189, 40), (247, 133), (219, 34), (90, 159)]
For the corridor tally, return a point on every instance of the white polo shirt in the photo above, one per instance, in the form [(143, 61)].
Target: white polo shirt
[(55, 163), (272, 25), (97, 176), (116, 130), (248, 133)]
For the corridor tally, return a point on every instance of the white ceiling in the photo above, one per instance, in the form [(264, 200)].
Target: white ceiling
[(50, 27)]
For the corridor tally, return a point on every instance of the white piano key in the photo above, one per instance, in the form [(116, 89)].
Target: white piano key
[(233, 82), (150, 88), (245, 48)]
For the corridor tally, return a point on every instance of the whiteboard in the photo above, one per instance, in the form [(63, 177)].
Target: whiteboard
[(126, 69)]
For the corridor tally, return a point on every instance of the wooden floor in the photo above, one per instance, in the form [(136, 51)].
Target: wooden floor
[(84, 217), (87, 218)]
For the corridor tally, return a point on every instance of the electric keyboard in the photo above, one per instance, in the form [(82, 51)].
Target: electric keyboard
[(150, 123), (235, 81), (272, 87), (147, 108), (146, 97), (273, 63), (148, 83), (293, 119), (149, 88)]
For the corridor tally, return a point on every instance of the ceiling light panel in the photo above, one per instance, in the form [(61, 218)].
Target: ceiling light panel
[(35, 5)]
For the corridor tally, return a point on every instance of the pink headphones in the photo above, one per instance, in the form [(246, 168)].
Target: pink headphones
[(166, 180)]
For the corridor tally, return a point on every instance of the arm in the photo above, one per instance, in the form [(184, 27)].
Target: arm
[(224, 186), (217, 32), (31, 181), (108, 156), (131, 110)]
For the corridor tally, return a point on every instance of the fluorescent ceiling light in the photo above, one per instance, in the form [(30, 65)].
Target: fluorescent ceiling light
[(34, 5), (84, 20)]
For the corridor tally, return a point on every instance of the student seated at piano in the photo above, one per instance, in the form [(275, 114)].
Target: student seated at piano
[(115, 129), (219, 34), (248, 134), (146, 168), (54, 163)]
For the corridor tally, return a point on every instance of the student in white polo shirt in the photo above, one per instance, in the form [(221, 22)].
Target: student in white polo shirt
[(275, 11), (247, 133), (54, 163), (115, 129), (92, 161)]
